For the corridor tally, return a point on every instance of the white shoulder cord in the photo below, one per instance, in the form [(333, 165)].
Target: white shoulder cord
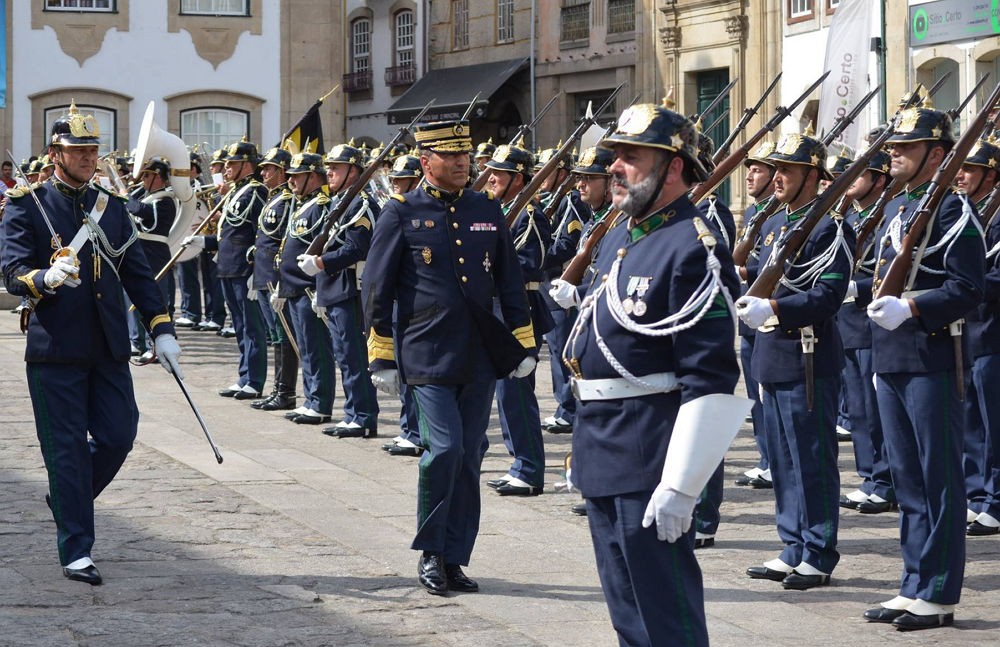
[(947, 239), (522, 240), (814, 268), (713, 215), (365, 210)]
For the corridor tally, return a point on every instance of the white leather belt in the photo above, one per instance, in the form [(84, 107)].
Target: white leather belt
[(618, 388), (769, 324), (532, 285), (156, 238)]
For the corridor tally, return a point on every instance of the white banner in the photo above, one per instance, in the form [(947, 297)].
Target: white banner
[(847, 47)]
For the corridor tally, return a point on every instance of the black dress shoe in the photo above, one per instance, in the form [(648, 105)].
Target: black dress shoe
[(872, 507), (399, 450), (743, 480), (765, 573), (257, 404), (229, 392), (350, 432), (850, 504), (519, 490), (799, 582), (309, 419), (759, 483), (431, 573), (912, 622), (881, 614), (580, 509), (495, 483), (459, 581), (703, 542), (247, 395), (278, 403), (976, 529), (89, 575), (291, 415)]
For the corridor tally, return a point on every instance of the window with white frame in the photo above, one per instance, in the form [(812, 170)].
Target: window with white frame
[(621, 16), (361, 41), (213, 128), (80, 5), (106, 123), (505, 21), (832, 4), (460, 24), (216, 7), (404, 38), (800, 8)]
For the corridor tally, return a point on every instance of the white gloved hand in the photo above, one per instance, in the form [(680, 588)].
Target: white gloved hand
[(754, 311), (852, 290), (316, 308), (889, 312), (386, 381), (251, 291), (671, 510), (310, 264), (565, 294), (62, 271), (169, 351), (277, 303), (525, 368), (194, 241)]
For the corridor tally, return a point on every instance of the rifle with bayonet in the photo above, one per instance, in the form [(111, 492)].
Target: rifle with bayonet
[(528, 192), (728, 165), (523, 131), (748, 113), (715, 102), (334, 215), (841, 123)]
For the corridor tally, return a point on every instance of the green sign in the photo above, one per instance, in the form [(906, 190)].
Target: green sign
[(949, 21)]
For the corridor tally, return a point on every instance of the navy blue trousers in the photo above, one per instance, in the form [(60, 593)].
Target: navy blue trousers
[(70, 401), (251, 336), (521, 426), (272, 325), (344, 321), (866, 426), (706, 511), (653, 589), (753, 392), (802, 447), (452, 421), (983, 423), (556, 341), (317, 355), (191, 291), (408, 427), (922, 422)]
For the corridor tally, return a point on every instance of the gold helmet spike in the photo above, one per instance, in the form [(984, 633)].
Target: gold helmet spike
[(489, 141), (72, 107), (697, 125), (351, 143), (809, 131), (928, 102), (520, 142), (668, 101)]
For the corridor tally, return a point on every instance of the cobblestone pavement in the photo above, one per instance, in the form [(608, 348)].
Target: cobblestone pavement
[(300, 539)]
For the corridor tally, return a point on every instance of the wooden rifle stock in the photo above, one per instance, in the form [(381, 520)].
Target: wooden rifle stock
[(990, 208), (523, 131), (557, 197), (744, 246), (867, 227), (894, 283), (573, 274)]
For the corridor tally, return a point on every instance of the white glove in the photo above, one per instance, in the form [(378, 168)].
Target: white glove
[(277, 303), (251, 292), (852, 290), (889, 312), (671, 510), (754, 311), (62, 271), (525, 368), (194, 241), (564, 294), (310, 264), (316, 308), (386, 381), (169, 351)]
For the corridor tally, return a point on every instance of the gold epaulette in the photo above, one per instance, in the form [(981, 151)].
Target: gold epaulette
[(20, 190), (489, 195), (322, 199), (397, 196)]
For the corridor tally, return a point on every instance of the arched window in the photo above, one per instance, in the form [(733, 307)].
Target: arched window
[(361, 39), (404, 27), (212, 128), (106, 123)]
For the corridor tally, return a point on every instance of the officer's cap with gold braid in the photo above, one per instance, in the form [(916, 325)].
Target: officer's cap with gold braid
[(802, 150), (923, 124), (406, 166), (306, 163), (543, 158), (595, 161), (75, 129), (345, 154), (985, 153), (646, 124), (759, 155), (512, 158), (243, 151), (444, 136), (277, 157), (486, 148)]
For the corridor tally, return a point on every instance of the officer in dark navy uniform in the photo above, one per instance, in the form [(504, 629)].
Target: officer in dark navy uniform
[(77, 345), (875, 494), (236, 235), (307, 179), (651, 353), (439, 256), (517, 404), (977, 179), (913, 357), (338, 293), (270, 232), (795, 328)]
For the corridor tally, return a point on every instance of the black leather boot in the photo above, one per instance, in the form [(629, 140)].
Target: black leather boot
[(260, 404), (286, 376)]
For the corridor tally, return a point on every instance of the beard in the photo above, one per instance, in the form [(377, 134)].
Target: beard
[(638, 196)]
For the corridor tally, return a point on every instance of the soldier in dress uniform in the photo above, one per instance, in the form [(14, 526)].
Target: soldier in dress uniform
[(338, 292), (837, 163), (977, 179), (913, 357), (484, 152), (715, 210), (517, 404), (307, 178), (875, 494), (439, 256), (214, 316), (77, 346), (795, 329), (270, 232), (651, 351), (187, 271), (759, 181), (240, 213)]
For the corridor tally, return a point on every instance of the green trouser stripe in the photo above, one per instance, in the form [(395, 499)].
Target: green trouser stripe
[(828, 531), (44, 427), (423, 503), (680, 594), (533, 447), (367, 391), (946, 396)]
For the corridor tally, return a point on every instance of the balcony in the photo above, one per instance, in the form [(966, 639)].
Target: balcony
[(358, 81), (400, 75)]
